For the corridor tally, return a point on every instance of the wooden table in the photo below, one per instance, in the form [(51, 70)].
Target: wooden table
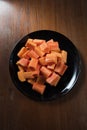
[(18, 18)]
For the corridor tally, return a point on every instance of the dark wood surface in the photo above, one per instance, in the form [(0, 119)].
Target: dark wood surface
[(18, 18)]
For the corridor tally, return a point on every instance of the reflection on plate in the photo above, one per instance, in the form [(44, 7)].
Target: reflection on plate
[(67, 81)]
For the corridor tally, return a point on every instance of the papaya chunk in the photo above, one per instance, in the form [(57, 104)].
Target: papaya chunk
[(53, 79), (41, 62), (33, 63), (46, 72), (23, 62), (40, 88)]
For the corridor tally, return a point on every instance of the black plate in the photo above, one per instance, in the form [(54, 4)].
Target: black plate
[(67, 81)]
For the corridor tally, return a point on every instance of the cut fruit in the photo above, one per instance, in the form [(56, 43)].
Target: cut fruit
[(21, 52), (44, 47), (21, 76), (26, 55), (29, 75), (53, 79), (20, 68), (51, 58), (61, 67), (40, 88), (28, 41), (38, 41), (58, 54), (64, 55), (53, 46), (33, 54), (51, 67), (39, 52), (23, 62), (30, 44), (33, 63), (46, 72), (42, 61)]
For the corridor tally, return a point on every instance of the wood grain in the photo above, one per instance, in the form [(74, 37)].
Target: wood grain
[(18, 18)]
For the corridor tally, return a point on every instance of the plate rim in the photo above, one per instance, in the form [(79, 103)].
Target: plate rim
[(63, 93)]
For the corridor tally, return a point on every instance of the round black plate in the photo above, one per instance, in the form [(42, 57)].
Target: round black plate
[(67, 81)]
